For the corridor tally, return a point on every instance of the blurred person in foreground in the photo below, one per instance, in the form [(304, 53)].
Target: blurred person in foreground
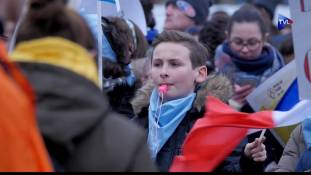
[(55, 49), (22, 148)]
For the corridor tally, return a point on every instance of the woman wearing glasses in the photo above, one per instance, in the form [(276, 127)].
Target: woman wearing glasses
[(248, 60)]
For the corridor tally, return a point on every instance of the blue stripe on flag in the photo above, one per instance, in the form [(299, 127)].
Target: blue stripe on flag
[(111, 1), (290, 98)]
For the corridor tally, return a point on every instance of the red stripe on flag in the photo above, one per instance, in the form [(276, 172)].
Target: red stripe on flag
[(207, 149), (216, 135)]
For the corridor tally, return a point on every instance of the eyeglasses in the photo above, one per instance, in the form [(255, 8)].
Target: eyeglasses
[(251, 44)]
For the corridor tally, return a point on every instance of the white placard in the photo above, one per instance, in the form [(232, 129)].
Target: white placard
[(268, 94), (301, 14), (131, 9)]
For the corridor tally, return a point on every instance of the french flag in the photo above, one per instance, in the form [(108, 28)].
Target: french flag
[(216, 135)]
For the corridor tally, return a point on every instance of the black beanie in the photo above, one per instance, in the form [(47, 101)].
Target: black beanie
[(201, 8)]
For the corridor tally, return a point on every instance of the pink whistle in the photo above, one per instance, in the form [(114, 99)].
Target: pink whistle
[(163, 88)]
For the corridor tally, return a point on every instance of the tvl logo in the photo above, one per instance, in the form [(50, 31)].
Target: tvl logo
[(283, 22)]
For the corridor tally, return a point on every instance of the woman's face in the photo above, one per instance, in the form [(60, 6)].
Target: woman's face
[(246, 40)]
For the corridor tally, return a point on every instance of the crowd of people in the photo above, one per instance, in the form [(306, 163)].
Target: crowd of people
[(57, 117)]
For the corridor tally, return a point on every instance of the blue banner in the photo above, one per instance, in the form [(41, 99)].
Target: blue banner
[(290, 98)]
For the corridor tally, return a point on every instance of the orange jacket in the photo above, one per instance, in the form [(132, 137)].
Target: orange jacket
[(21, 148)]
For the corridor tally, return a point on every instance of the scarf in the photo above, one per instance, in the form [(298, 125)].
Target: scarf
[(171, 115), (58, 52), (256, 66)]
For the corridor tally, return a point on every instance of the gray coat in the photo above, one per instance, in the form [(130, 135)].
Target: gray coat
[(80, 131), (293, 150)]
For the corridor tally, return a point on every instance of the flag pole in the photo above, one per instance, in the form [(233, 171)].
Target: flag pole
[(118, 6), (17, 26), (99, 40), (262, 134)]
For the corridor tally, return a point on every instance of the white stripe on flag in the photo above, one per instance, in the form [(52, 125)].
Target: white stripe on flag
[(297, 114)]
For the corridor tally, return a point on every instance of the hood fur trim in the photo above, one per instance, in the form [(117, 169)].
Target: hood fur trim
[(216, 85)]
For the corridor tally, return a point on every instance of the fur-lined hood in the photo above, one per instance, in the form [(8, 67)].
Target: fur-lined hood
[(216, 85)]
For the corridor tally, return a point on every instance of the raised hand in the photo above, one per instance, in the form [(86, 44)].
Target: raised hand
[(256, 150)]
